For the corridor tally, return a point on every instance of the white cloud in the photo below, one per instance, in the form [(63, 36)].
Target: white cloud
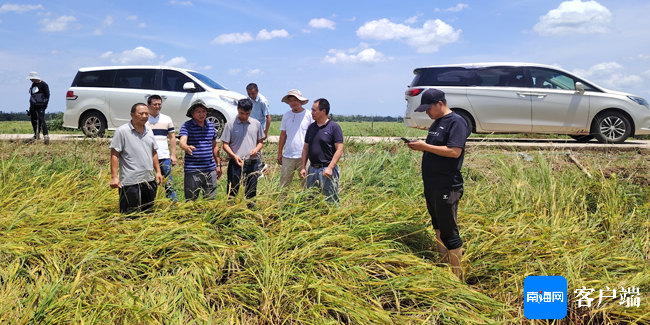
[(56, 52), (176, 62), (458, 7), (142, 25), (609, 75), (235, 38), (644, 57), (351, 19), (56, 25), (265, 35), (427, 39), (254, 72), (322, 23), (411, 20), (19, 8), (573, 17), (362, 46), (366, 56), (307, 31), (647, 73), (234, 72), (134, 17), (107, 22), (180, 3), (136, 56)]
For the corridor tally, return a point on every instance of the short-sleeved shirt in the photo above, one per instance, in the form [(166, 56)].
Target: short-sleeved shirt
[(136, 154), (295, 125), (161, 126), (242, 137), (260, 109), (201, 137), (440, 172), (322, 140)]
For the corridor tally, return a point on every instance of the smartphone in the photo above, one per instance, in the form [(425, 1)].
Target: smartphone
[(405, 140)]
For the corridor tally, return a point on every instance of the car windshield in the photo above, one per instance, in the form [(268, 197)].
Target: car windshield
[(207, 81)]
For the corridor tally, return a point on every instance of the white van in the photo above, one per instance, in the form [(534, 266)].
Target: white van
[(100, 98), (529, 98)]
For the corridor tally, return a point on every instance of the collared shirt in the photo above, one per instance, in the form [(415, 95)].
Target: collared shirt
[(201, 137), (260, 109), (295, 125), (242, 137), (440, 172), (161, 126), (322, 140), (136, 154)]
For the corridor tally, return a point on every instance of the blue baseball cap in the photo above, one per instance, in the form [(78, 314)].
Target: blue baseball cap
[(429, 97)]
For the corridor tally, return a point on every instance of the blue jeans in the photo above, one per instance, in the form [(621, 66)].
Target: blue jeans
[(166, 171), (329, 186)]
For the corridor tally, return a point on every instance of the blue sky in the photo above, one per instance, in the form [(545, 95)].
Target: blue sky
[(360, 55)]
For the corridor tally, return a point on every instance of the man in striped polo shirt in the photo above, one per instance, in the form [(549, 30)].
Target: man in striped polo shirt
[(202, 162), (163, 129)]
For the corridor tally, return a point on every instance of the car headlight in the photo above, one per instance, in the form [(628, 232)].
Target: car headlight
[(639, 101), (229, 100)]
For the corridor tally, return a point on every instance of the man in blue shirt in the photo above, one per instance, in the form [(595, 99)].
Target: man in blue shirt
[(262, 114), (202, 162), (323, 147), (442, 159)]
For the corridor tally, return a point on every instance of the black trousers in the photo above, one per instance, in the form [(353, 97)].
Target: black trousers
[(243, 175), (443, 208), (37, 115), (138, 197)]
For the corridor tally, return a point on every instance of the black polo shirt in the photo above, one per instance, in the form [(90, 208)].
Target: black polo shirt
[(440, 172), (322, 140)]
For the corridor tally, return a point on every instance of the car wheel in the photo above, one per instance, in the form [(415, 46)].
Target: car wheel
[(93, 124), (218, 120), (611, 127), (468, 120), (582, 138)]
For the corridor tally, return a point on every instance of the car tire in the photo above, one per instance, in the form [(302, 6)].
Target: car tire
[(93, 124), (611, 127), (218, 120), (468, 119), (582, 138)]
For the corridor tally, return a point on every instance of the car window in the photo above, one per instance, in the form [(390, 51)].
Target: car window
[(553, 79), (209, 82), (449, 76), (500, 77), (135, 78), (100, 78), (174, 81)]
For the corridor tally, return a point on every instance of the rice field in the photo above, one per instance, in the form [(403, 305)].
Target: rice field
[(68, 257)]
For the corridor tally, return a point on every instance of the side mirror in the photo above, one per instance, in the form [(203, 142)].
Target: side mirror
[(189, 86), (580, 88)]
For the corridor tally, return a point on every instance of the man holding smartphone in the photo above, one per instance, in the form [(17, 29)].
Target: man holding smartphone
[(442, 159)]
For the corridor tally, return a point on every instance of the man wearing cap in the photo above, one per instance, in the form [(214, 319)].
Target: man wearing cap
[(163, 130), (202, 162), (262, 114), (39, 96), (134, 151), (292, 135), (442, 159), (323, 148), (242, 140)]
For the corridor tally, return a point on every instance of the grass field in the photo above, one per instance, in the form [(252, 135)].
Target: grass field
[(68, 256)]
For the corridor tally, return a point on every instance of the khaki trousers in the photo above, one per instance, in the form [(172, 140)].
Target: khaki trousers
[(289, 166)]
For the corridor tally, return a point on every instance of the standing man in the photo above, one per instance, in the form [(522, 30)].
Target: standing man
[(134, 149), (39, 97), (323, 147), (262, 114), (292, 134), (243, 139), (202, 161), (163, 129), (442, 159)]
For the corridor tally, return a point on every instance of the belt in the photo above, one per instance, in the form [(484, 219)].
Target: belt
[(319, 165)]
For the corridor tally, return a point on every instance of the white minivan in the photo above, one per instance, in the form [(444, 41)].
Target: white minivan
[(100, 98), (529, 98)]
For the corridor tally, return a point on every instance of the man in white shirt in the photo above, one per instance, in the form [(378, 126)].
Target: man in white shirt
[(163, 129), (260, 113), (292, 135)]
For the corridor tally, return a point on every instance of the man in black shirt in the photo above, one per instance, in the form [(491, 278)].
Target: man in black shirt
[(39, 96), (442, 159)]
